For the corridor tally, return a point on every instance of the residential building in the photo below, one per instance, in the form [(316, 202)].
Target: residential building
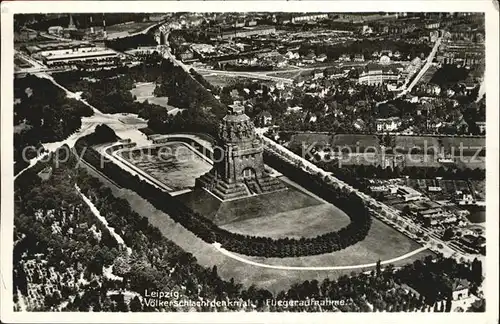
[(434, 189), (460, 289), (309, 58), (345, 58), (321, 57), (387, 124), (359, 58), (317, 74), (265, 118), (309, 17), (482, 126), (432, 25)]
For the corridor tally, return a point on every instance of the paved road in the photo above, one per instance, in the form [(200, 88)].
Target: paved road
[(424, 68), (322, 268)]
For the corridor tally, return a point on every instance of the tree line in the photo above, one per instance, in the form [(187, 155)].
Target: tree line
[(246, 244), (366, 47), (413, 172)]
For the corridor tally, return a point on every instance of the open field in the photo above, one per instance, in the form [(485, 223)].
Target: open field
[(382, 242), (144, 91), (177, 165), (303, 222)]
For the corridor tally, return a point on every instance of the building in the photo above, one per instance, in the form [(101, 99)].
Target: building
[(376, 74), (432, 25), (55, 30), (473, 243), (482, 126), (387, 124), (460, 289), (409, 194), (317, 74), (321, 58), (359, 58), (265, 118), (239, 168), (309, 58), (71, 56), (309, 17), (186, 54), (436, 216), (345, 58)]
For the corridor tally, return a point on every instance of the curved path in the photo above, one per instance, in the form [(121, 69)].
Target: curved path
[(279, 267)]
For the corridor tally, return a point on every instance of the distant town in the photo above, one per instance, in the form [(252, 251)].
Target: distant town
[(240, 160)]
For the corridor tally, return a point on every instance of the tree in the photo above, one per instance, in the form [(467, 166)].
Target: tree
[(378, 268), (121, 306), (135, 304), (448, 234), (477, 271), (448, 305)]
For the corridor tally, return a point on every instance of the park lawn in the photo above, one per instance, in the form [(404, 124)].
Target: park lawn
[(253, 207), (263, 205), (381, 243), (303, 222)]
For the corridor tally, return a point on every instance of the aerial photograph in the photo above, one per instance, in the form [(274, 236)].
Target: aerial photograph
[(249, 162)]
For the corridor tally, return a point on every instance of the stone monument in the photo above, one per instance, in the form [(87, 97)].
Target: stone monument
[(238, 163)]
